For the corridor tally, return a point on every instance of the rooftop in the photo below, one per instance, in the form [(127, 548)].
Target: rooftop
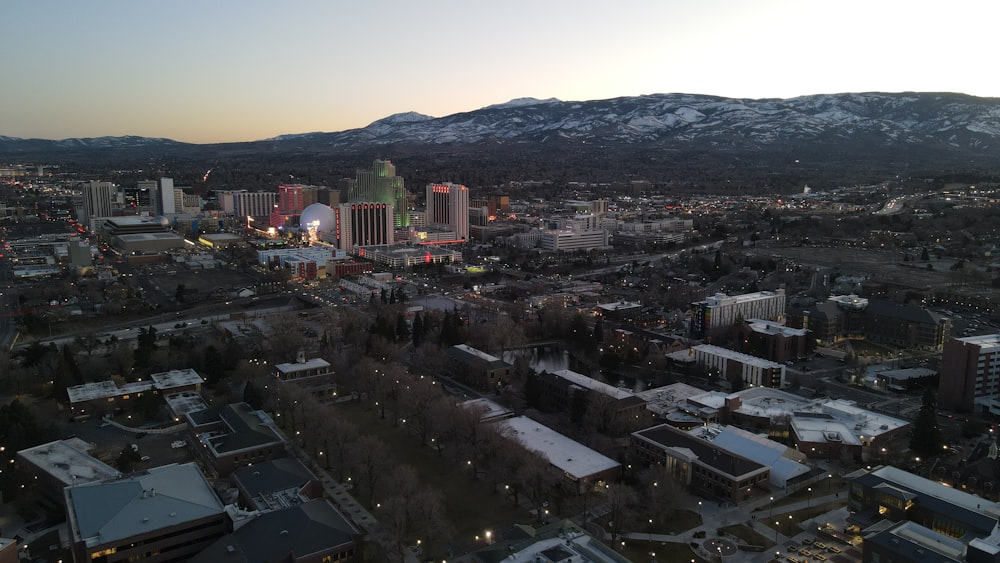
[(704, 451), (737, 356), (284, 535), (572, 457), (594, 385), (310, 364), (112, 510), (69, 462), (977, 512)]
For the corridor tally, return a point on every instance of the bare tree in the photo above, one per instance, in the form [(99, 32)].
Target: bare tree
[(371, 463)]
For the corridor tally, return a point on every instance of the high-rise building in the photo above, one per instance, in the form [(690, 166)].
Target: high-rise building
[(722, 311), (242, 203), (382, 185), (970, 373), (448, 207), (99, 199), (165, 204), (363, 224)]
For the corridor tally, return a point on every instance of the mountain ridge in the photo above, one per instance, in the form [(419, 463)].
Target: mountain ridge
[(659, 135)]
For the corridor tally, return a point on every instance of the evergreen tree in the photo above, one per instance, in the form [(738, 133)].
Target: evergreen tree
[(926, 439), (418, 330), (402, 331)]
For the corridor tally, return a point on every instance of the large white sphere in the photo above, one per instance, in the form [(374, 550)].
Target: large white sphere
[(321, 214)]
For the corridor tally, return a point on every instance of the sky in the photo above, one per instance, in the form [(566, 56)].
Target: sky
[(205, 71)]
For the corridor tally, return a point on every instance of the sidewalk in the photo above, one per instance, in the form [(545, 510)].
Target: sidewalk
[(756, 514), (341, 496)]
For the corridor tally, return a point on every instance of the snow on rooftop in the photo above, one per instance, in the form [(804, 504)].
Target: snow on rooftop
[(68, 461), (478, 353), (927, 487), (594, 385), (572, 457), (310, 364)]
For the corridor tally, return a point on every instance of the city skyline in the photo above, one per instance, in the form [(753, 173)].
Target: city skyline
[(232, 71)]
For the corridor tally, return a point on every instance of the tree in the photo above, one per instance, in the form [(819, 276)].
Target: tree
[(926, 439)]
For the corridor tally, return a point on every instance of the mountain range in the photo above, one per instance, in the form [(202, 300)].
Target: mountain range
[(904, 130)]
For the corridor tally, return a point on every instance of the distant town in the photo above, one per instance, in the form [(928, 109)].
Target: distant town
[(529, 372)]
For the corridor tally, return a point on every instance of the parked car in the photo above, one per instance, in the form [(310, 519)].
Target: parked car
[(178, 444)]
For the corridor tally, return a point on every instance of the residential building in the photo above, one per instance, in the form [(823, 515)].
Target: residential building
[(721, 312), (610, 409), (731, 366), (163, 514), (970, 374), (773, 340), (477, 368)]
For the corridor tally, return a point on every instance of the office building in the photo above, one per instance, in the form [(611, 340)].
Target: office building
[(722, 312), (970, 373), (99, 200), (701, 465), (233, 436), (162, 197), (448, 207), (163, 514), (366, 223), (380, 184)]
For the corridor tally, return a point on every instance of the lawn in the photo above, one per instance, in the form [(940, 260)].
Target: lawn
[(748, 535), (472, 507), (641, 551), (676, 521)]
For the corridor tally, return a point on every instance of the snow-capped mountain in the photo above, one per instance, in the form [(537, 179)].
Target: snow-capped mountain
[(958, 121), (907, 126)]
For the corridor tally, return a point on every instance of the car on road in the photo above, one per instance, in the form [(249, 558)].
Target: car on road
[(178, 444)]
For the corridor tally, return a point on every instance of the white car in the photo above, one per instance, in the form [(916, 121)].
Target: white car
[(178, 444)]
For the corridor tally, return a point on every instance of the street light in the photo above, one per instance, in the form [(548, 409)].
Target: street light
[(810, 497), (771, 511)]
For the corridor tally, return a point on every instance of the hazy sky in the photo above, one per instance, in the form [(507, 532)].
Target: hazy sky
[(239, 70)]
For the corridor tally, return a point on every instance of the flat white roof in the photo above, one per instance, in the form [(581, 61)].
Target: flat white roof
[(478, 353), (69, 462), (663, 399), (312, 363), (572, 457), (841, 414), (823, 430), (176, 378), (764, 326), (737, 356), (162, 381), (989, 341), (594, 385)]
